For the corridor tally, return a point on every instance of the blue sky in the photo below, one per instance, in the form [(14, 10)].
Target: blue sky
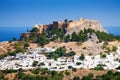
[(21, 13)]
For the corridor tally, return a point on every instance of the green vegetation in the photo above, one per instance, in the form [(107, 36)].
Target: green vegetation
[(34, 30), (70, 54), (26, 45), (110, 75), (78, 63), (45, 74), (100, 65), (36, 71), (67, 73), (118, 68), (105, 44), (82, 57), (84, 48), (79, 43), (103, 55), (12, 53), (114, 48), (14, 39), (18, 46), (41, 74), (90, 76), (74, 69), (76, 78), (102, 36), (59, 35), (67, 38), (9, 71), (58, 53), (42, 39), (70, 67), (35, 63), (41, 64), (81, 36), (99, 68), (108, 49)]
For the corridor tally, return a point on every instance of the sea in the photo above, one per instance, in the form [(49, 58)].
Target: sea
[(8, 33)]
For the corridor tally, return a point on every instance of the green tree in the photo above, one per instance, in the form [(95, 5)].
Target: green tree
[(82, 57), (61, 51), (99, 68), (19, 49), (26, 45), (103, 55), (67, 73), (74, 37), (70, 54), (36, 71), (61, 34), (74, 69), (89, 77), (43, 40), (76, 78), (67, 38), (14, 39), (35, 63), (78, 63), (34, 29)]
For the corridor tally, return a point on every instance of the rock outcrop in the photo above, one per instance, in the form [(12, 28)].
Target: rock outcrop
[(93, 37), (76, 26)]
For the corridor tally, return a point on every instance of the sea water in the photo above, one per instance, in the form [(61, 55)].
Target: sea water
[(8, 33)]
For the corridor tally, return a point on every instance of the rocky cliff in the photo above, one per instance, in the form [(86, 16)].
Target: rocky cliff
[(81, 24)]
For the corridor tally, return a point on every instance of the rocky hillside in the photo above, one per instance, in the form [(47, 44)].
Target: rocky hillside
[(81, 24)]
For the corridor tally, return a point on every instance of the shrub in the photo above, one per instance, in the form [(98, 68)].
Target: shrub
[(74, 69), (76, 78), (78, 63), (82, 57), (35, 63), (89, 77), (26, 45), (70, 54), (84, 47), (114, 48), (103, 55), (99, 68), (36, 71), (70, 67), (67, 73), (9, 71)]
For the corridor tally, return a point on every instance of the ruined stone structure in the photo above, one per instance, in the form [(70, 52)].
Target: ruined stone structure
[(23, 35), (74, 26), (70, 26), (57, 24)]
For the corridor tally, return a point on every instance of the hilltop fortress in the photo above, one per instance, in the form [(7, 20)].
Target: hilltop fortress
[(69, 26), (73, 26)]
